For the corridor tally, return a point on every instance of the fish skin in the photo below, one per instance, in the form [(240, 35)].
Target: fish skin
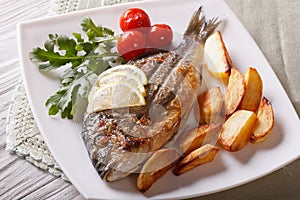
[(120, 140)]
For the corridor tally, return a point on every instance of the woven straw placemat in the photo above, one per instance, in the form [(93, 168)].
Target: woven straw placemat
[(23, 136)]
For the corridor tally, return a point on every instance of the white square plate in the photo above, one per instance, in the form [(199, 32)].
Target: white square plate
[(226, 171)]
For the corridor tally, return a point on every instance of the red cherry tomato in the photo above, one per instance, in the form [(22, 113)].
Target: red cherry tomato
[(131, 44), (134, 18), (159, 36)]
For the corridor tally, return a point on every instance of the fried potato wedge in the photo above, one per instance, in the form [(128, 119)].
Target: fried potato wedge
[(194, 138), (237, 130), (216, 55), (254, 90), (265, 122), (202, 155), (210, 105), (155, 167), (235, 91)]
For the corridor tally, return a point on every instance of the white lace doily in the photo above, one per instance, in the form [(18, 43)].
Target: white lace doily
[(64, 6), (23, 136)]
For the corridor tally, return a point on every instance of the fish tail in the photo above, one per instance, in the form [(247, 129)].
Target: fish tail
[(199, 28)]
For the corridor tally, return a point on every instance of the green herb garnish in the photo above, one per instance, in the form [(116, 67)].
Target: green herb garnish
[(84, 59)]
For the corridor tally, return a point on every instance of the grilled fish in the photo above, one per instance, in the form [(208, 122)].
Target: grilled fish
[(120, 140)]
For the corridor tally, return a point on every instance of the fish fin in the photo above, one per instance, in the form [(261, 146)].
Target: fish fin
[(199, 27)]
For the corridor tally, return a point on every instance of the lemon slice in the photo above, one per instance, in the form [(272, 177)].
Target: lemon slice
[(118, 87), (123, 77), (116, 95), (92, 92), (131, 69)]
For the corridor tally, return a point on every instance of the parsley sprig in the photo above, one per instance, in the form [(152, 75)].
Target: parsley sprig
[(83, 58)]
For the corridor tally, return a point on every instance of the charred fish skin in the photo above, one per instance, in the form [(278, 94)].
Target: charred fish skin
[(119, 141)]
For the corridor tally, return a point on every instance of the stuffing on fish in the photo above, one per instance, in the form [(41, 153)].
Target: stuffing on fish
[(120, 140)]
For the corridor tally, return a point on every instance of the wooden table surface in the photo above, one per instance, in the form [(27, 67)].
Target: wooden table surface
[(21, 180), (18, 178)]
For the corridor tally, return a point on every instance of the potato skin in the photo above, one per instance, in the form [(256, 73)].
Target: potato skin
[(200, 156), (235, 91), (237, 130), (155, 167), (217, 57), (210, 105), (194, 138), (265, 122), (254, 90)]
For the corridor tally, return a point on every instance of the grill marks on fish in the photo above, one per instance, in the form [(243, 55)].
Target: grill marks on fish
[(120, 140)]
